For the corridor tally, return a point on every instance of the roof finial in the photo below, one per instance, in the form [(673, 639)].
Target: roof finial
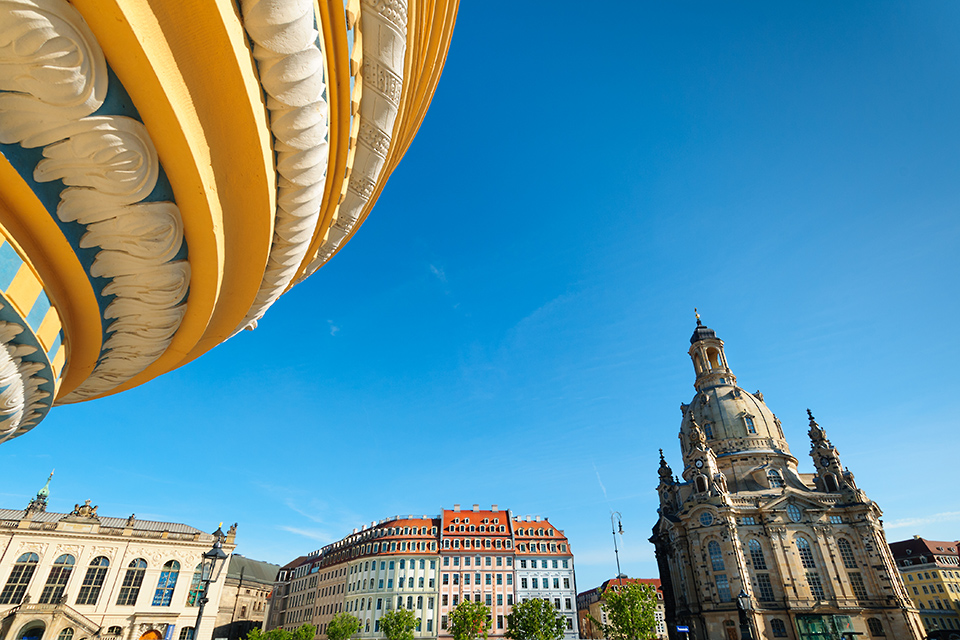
[(697, 313)]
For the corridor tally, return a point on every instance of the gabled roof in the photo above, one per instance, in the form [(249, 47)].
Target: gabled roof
[(15, 515), (252, 570)]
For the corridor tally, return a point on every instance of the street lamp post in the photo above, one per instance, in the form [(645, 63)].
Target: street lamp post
[(210, 570), (743, 603), (615, 524)]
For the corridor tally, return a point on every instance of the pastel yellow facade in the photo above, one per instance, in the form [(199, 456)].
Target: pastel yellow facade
[(168, 169)]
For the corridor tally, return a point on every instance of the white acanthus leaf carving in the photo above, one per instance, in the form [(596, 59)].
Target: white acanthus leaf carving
[(51, 69), (22, 400), (53, 77), (290, 65), (384, 25), (110, 165)]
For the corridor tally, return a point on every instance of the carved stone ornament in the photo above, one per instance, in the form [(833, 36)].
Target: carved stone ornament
[(290, 64), (21, 395), (32, 547), (53, 77), (384, 24)]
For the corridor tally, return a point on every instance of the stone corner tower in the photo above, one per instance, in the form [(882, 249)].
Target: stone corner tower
[(808, 550)]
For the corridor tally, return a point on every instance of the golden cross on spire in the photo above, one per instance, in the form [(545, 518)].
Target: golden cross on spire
[(696, 313)]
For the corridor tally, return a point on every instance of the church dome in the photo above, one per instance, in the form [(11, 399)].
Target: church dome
[(734, 419)]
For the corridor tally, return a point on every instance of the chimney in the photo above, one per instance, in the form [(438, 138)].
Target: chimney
[(476, 507), (456, 507), (493, 507)]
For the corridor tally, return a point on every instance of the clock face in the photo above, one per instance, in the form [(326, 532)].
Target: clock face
[(699, 464), (824, 461)]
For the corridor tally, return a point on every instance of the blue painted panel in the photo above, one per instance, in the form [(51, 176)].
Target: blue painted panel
[(38, 311), (9, 265)]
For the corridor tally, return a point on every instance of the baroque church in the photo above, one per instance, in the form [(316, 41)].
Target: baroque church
[(806, 552)]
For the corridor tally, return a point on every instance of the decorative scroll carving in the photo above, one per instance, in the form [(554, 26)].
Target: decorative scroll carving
[(52, 69), (384, 25), (21, 397), (54, 76), (110, 165), (290, 65)]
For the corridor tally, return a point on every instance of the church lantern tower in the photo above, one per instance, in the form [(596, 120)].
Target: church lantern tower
[(808, 550)]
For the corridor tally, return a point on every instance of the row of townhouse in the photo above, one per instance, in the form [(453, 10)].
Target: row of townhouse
[(429, 565)]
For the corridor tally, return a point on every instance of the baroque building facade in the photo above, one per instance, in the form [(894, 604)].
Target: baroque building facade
[(931, 573), (429, 565), (807, 550), (243, 601), (81, 575)]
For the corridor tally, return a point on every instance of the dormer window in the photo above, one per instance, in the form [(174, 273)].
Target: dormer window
[(708, 430), (750, 426), (773, 476)]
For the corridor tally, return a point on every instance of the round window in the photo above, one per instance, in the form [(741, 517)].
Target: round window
[(794, 512), (706, 518)]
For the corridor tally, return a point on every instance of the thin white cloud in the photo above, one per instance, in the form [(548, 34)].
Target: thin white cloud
[(314, 534), (438, 272), (600, 482), (936, 518), (334, 329)]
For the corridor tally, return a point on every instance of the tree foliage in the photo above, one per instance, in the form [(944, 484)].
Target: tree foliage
[(631, 611), (304, 632), (399, 624), (342, 626), (535, 619), (469, 620)]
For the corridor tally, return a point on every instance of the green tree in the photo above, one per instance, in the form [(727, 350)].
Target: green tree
[(342, 626), (305, 632), (399, 624), (535, 619), (630, 610), (469, 620)]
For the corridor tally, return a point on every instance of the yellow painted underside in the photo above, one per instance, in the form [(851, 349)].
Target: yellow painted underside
[(187, 66)]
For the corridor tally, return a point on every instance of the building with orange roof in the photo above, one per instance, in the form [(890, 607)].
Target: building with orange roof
[(477, 562), (427, 564), (931, 573), (545, 567)]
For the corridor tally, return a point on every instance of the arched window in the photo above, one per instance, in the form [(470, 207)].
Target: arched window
[(195, 587), (132, 579), (19, 578), (708, 430), (779, 628), (716, 557), (875, 627), (712, 355), (114, 631), (806, 554), (756, 555), (186, 633), (773, 476), (846, 553), (165, 585), (66, 634), (93, 581), (830, 483), (57, 580), (701, 482)]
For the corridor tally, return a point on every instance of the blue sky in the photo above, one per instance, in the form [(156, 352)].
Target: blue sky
[(510, 325)]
